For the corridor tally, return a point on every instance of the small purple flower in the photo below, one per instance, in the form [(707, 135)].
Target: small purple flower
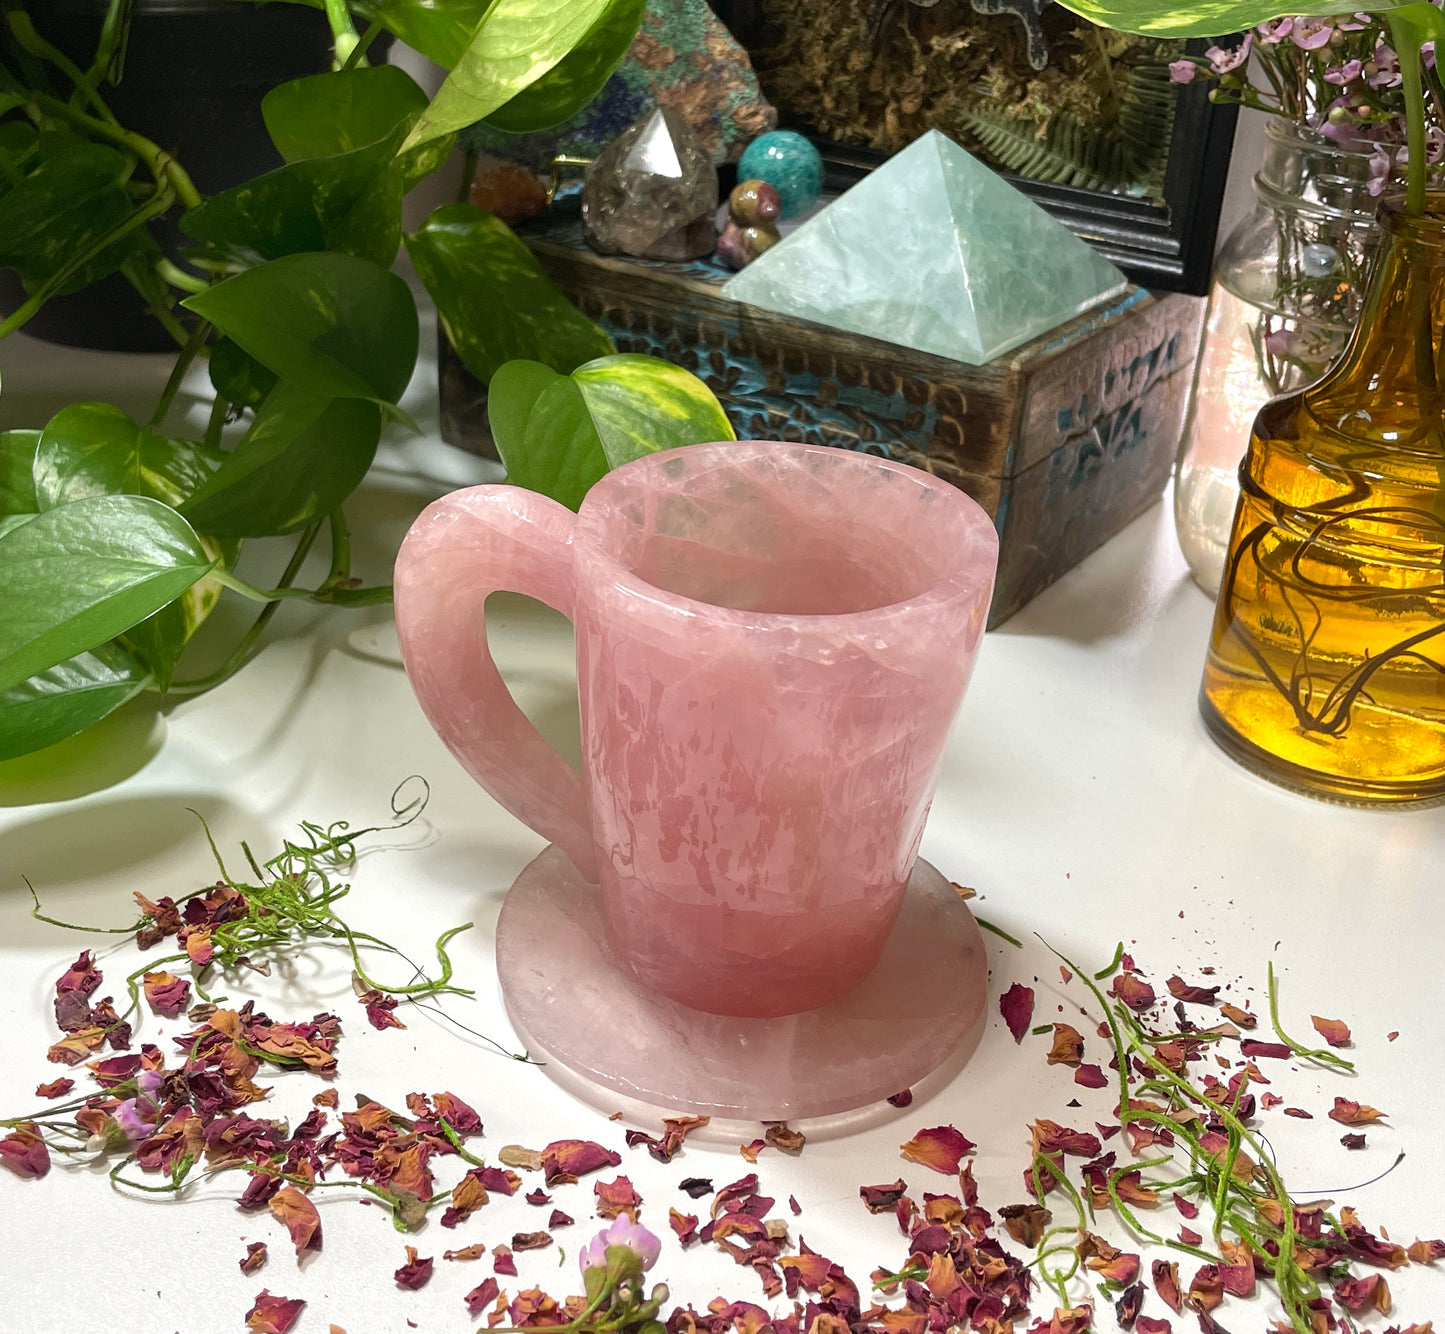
[(1226, 62), (623, 1232), (148, 1081), (1311, 34), (1434, 145), (1279, 343), (1182, 71), (1384, 70), (1276, 31), (1343, 74), (131, 1116)]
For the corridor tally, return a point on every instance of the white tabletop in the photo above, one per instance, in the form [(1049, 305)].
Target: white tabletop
[(1080, 795)]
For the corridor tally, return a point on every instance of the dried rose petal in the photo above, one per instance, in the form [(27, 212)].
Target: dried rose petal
[(416, 1272), (457, 1114), (1017, 1007), (751, 1150), (572, 1158), (685, 1225), (1275, 1051), (74, 1049), (1137, 994), (1183, 991), (1189, 1236), (1353, 1141), (1148, 1324), (1349, 1113), (880, 1199), (57, 1088), (1205, 1290), (1426, 1252), (940, 1147), (695, 1187), (1051, 1138), (165, 993), (1165, 1274), (1237, 1016), (1360, 1294), (502, 1262), (617, 1197), (24, 1152), (782, 1136), (1068, 1047), (1238, 1279), (531, 1241), (538, 1197), (494, 1178), (1334, 1031), (1126, 1309), (1090, 1077), (559, 1219), (1065, 1320), (481, 1297), (1026, 1222), (273, 1315), (255, 1257), (903, 1099), (468, 1195), (299, 1215)]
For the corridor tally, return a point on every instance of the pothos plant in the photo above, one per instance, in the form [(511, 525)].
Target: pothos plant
[(117, 537)]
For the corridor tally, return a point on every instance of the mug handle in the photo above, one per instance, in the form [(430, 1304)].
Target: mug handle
[(462, 548)]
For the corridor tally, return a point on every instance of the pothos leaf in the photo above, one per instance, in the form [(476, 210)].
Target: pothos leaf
[(513, 45), (339, 326), (83, 573), (440, 31), (559, 434), (326, 114), (1201, 18), (576, 80), (17, 486), (304, 454), (640, 405), (349, 202), (494, 301), (94, 449), (67, 698)]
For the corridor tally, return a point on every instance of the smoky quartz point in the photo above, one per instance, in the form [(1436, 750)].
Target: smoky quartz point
[(652, 192)]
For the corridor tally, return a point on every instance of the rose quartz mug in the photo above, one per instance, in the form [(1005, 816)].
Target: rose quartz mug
[(772, 643)]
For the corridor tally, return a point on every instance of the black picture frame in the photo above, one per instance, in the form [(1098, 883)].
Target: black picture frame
[(1166, 246)]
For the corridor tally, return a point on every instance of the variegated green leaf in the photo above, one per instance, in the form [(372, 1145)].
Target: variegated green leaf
[(514, 45), (640, 405), (559, 434), (1203, 18), (572, 84), (495, 303), (67, 698), (94, 449)]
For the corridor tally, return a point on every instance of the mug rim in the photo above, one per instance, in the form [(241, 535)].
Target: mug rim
[(955, 585)]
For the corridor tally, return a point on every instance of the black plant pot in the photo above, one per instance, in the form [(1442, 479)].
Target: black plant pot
[(195, 72)]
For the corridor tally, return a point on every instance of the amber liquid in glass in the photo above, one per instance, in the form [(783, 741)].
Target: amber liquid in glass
[(1326, 666)]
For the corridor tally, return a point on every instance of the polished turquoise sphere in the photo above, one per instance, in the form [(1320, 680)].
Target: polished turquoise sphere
[(787, 162)]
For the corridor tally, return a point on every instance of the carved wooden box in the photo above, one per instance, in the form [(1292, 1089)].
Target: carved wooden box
[(1062, 441)]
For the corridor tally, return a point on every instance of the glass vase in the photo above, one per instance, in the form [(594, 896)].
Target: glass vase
[(1326, 666), (1286, 294)]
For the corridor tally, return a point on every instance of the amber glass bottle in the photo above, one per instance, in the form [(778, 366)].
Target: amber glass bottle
[(1326, 667)]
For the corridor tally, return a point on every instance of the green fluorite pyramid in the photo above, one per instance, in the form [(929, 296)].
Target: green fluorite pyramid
[(934, 251)]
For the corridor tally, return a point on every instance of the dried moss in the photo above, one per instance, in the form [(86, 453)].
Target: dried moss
[(949, 68)]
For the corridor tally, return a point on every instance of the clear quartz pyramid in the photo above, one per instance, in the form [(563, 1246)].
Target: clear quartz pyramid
[(933, 251)]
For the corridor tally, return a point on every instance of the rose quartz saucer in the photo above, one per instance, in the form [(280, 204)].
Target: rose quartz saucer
[(573, 1006)]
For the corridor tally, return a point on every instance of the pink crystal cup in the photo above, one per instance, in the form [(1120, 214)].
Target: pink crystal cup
[(772, 643)]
